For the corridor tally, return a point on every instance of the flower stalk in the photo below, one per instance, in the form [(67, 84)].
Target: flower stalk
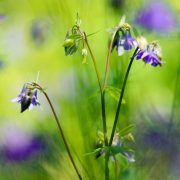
[(60, 128), (102, 92), (121, 96)]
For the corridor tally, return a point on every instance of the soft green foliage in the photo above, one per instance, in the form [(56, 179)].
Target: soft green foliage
[(114, 93), (70, 84)]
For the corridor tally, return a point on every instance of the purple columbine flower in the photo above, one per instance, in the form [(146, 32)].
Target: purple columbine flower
[(27, 98), (124, 41), (151, 54)]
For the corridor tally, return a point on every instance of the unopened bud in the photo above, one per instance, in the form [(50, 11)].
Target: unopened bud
[(142, 42), (84, 54), (68, 42)]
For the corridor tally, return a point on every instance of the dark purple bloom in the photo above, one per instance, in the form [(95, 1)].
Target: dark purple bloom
[(20, 145), (151, 54), (125, 42), (156, 16), (27, 98)]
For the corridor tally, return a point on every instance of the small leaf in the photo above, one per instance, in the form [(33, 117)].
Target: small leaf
[(122, 21), (130, 137), (92, 33), (100, 135), (78, 20), (93, 152), (126, 130), (114, 93)]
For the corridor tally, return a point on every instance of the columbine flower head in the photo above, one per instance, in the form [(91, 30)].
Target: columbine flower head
[(27, 98), (124, 40), (73, 38), (151, 54)]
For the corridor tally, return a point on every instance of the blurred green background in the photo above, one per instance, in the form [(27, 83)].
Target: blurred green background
[(31, 38)]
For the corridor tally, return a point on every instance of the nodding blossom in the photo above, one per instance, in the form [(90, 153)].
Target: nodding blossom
[(27, 98), (124, 40), (151, 54)]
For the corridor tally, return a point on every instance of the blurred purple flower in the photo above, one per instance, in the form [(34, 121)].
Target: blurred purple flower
[(27, 98), (19, 145), (2, 17), (40, 31), (156, 16)]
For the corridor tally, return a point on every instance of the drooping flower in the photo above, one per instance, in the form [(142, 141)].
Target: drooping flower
[(27, 98), (124, 40), (151, 54)]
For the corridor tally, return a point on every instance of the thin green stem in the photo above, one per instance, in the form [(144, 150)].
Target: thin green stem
[(101, 91), (60, 130), (121, 97), (108, 59), (102, 106), (103, 100), (95, 64)]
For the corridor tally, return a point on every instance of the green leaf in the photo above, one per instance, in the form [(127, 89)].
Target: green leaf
[(126, 130), (78, 20), (122, 21), (114, 93), (92, 33), (100, 135), (93, 152)]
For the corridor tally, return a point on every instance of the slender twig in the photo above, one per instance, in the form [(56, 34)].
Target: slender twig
[(121, 96), (95, 64), (103, 101), (116, 168), (102, 106), (101, 91), (60, 129), (108, 58)]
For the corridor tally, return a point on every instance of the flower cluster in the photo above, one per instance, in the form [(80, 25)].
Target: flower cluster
[(151, 54), (117, 147), (27, 98)]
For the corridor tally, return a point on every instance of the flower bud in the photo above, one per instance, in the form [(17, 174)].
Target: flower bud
[(68, 42), (84, 54), (142, 42)]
